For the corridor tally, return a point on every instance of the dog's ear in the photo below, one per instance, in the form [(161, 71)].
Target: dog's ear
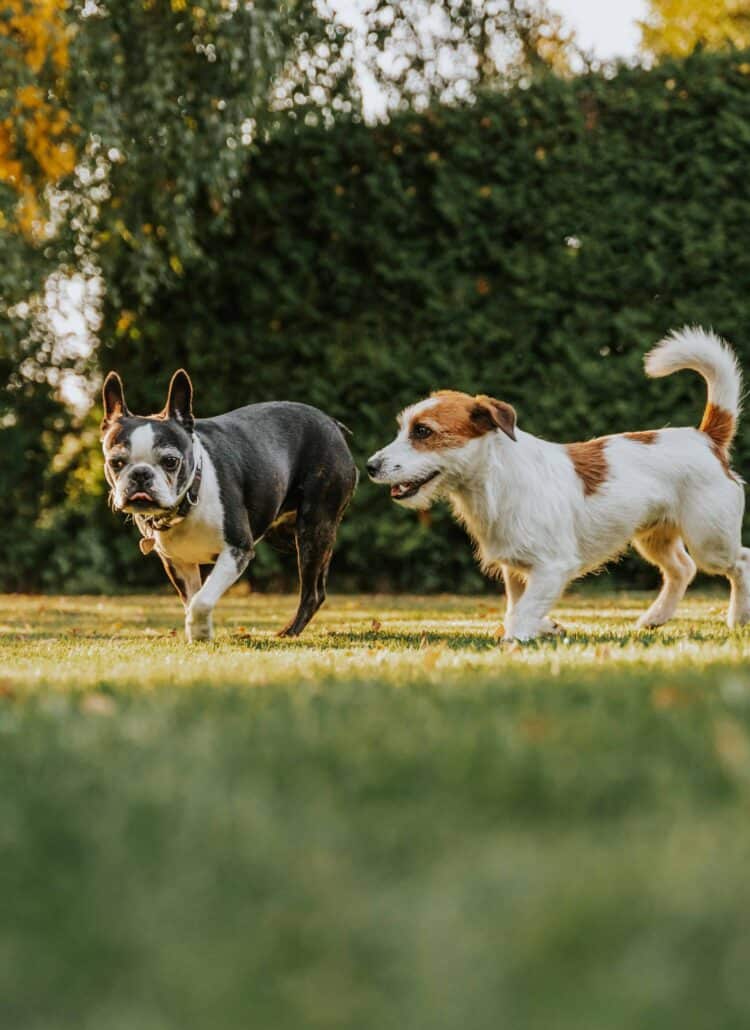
[(493, 414), (113, 399), (179, 404)]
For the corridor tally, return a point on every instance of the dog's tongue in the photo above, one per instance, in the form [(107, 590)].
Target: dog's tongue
[(141, 496), (400, 488)]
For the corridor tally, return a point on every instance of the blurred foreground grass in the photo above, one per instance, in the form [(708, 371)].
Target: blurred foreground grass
[(390, 822)]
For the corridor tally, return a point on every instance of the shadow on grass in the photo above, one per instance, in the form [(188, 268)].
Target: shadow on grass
[(459, 641)]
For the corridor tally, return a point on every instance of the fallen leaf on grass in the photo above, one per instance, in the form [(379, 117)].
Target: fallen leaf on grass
[(732, 747), (536, 728), (376, 626), (7, 690), (430, 657), (98, 704), (669, 697)]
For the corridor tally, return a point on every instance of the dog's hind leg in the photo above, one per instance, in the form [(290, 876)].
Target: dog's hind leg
[(314, 552), (739, 600), (663, 547), (318, 521)]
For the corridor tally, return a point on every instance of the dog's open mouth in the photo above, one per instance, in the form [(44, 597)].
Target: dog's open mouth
[(141, 499), (400, 491)]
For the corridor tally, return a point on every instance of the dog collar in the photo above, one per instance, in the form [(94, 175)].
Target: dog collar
[(190, 498), (150, 524)]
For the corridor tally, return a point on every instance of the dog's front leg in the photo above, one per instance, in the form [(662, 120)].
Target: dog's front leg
[(528, 618), (514, 588), (229, 566), (185, 578)]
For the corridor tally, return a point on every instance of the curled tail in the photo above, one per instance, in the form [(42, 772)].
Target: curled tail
[(706, 353)]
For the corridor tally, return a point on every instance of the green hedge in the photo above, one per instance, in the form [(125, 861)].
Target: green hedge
[(532, 246)]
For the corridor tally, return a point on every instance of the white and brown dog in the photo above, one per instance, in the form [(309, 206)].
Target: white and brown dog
[(545, 513)]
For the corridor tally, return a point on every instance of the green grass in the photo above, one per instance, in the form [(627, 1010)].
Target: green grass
[(390, 822)]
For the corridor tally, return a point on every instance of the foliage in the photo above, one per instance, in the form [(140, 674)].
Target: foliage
[(390, 822), (161, 100), (125, 129), (37, 153), (676, 27), (172, 96), (175, 97), (532, 246), (36, 147)]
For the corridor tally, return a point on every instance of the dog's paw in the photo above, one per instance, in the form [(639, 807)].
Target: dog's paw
[(650, 620), (550, 628), (523, 634), (288, 631), (519, 636), (198, 624)]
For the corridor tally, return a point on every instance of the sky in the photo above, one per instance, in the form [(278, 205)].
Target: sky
[(608, 27)]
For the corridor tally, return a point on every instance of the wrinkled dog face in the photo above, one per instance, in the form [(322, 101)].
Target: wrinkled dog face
[(148, 462), (434, 442)]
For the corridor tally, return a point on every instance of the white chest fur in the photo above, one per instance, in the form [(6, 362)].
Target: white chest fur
[(199, 538)]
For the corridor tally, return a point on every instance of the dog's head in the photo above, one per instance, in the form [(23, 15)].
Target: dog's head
[(148, 460), (436, 443)]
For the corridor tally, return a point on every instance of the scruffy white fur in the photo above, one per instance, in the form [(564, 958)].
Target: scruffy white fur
[(525, 506)]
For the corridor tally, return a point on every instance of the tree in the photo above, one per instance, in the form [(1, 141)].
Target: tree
[(36, 147), (128, 129), (677, 27), (421, 52), (37, 155), (173, 96)]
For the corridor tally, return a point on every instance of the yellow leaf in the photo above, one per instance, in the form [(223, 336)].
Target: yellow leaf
[(98, 704), (431, 655)]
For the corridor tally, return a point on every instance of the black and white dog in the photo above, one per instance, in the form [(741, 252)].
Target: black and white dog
[(205, 491)]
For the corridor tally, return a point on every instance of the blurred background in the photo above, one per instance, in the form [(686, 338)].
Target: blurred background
[(350, 204)]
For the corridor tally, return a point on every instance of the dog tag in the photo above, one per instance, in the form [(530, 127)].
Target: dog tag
[(146, 544)]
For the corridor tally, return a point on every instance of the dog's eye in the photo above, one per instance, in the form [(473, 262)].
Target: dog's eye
[(170, 463), (420, 431), (117, 464)]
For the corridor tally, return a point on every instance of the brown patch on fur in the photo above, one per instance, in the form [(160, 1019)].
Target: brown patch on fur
[(458, 418), (645, 436), (723, 458), (590, 463), (719, 424)]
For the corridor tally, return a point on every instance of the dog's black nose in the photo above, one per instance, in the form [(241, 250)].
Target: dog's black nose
[(373, 466), (141, 475)]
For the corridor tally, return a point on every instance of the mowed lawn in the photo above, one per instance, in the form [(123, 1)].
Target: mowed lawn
[(392, 822)]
